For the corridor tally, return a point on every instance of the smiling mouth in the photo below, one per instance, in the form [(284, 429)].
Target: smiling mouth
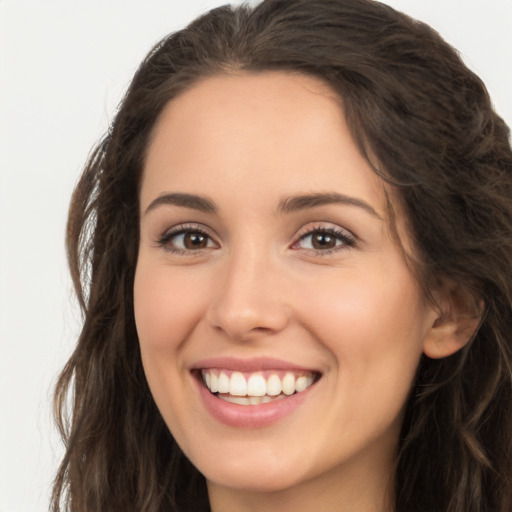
[(257, 387)]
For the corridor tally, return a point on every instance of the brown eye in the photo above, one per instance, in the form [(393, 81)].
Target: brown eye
[(186, 240), (323, 241), (195, 240)]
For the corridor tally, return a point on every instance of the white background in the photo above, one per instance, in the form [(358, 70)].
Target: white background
[(63, 68)]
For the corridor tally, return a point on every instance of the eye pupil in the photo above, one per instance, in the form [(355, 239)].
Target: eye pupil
[(195, 241), (323, 241)]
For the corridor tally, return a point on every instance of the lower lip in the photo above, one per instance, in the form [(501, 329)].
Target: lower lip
[(250, 416)]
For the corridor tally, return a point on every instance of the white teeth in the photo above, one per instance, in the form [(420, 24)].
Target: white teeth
[(250, 400), (237, 384), (288, 384), (274, 385), (223, 383), (301, 384), (256, 387), (240, 400), (213, 383)]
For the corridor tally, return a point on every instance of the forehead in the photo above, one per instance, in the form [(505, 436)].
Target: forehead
[(276, 132)]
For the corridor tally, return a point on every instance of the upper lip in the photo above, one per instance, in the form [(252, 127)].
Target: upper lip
[(250, 365)]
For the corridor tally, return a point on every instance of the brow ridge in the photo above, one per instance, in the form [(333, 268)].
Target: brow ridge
[(192, 201), (302, 202), (288, 205)]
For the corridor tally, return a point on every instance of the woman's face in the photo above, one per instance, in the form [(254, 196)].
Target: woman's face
[(266, 268)]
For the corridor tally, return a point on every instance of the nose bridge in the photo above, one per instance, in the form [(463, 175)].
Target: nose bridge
[(248, 300)]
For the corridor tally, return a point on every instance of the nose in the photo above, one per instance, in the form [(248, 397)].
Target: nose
[(249, 301)]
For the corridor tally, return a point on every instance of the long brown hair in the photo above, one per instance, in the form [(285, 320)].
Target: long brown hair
[(428, 124)]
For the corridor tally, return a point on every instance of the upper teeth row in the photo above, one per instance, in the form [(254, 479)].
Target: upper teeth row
[(256, 384)]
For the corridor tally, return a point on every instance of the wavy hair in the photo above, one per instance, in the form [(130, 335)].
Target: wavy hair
[(428, 127)]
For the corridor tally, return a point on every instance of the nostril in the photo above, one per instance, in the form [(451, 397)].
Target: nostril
[(261, 329)]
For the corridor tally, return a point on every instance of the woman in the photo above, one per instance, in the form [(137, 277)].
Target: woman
[(293, 251)]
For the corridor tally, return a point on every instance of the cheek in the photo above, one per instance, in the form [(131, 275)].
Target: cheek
[(358, 302), (374, 326), (166, 309)]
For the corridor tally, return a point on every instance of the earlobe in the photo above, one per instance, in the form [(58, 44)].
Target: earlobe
[(457, 320)]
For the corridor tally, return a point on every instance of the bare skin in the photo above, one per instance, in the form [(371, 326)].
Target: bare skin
[(264, 235)]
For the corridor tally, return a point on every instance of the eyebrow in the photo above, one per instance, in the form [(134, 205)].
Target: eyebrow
[(302, 202), (191, 201), (289, 205)]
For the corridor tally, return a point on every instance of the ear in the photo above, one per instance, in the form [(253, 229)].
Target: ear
[(457, 318)]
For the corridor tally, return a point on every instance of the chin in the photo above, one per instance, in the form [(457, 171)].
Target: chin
[(264, 480)]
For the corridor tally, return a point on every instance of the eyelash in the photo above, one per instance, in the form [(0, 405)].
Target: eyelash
[(347, 240), (165, 240)]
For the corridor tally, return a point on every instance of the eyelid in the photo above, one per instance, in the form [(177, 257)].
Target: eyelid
[(349, 240), (180, 229)]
